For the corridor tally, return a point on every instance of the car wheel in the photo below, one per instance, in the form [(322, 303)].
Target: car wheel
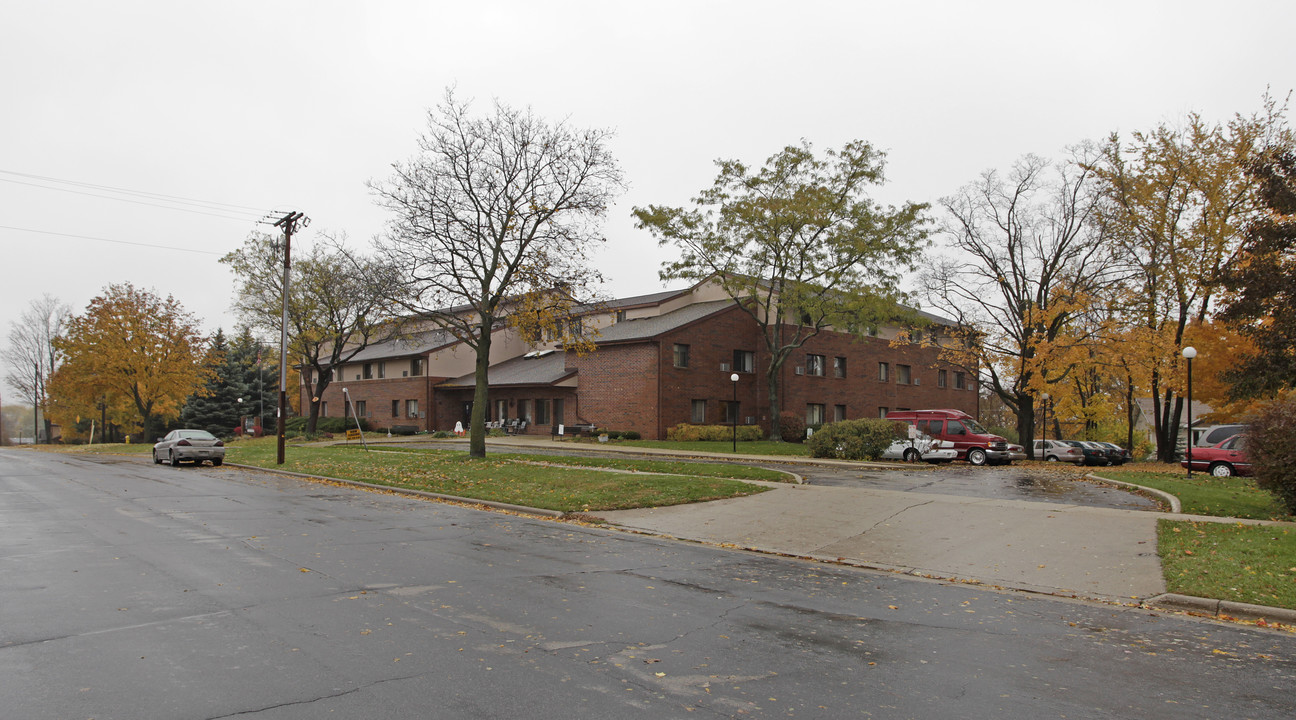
[(216, 462), (156, 460), (1221, 470), (1051, 458), (175, 461), (976, 456), (911, 455)]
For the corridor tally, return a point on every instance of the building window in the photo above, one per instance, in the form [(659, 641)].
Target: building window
[(524, 410), (411, 408), (681, 355), (731, 412), (839, 367), (416, 366), (324, 409), (940, 378), (542, 412), (882, 412), (620, 315), (368, 371), (902, 374), (883, 371), (839, 413), (699, 412), (814, 414), (744, 361), (960, 382), (395, 408), (360, 409), (382, 370), (815, 365), (501, 409)]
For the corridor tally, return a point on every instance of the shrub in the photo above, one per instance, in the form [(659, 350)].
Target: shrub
[(792, 427), (441, 434), (685, 432), (853, 439), (630, 435), (1271, 442)]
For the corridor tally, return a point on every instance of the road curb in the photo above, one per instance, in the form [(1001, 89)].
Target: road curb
[(1223, 608), (413, 493), (1175, 506)]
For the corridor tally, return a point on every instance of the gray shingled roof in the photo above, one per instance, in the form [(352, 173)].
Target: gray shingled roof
[(644, 328), (415, 344), (547, 369)]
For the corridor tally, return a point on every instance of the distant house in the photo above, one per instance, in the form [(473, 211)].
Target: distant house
[(661, 360), (1145, 424)]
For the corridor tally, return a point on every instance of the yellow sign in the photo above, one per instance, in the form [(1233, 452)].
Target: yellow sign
[(353, 434)]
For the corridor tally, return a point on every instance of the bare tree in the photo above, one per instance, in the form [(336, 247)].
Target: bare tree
[(32, 356), (1024, 260), (493, 210)]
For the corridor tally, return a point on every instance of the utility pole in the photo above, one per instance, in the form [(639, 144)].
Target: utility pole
[(289, 224)]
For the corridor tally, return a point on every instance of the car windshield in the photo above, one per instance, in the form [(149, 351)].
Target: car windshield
[(196, 435), (974, 427)]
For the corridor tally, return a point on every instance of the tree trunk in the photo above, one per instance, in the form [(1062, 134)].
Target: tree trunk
[(772, 384), (1026, 424), (481, 394)]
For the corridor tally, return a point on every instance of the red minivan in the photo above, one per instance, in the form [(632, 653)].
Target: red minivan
[(972, 441)]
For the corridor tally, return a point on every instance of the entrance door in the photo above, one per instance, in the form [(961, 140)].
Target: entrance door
[(558, 412)]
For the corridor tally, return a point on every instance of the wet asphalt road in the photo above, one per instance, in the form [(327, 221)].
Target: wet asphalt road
[(139, 591)]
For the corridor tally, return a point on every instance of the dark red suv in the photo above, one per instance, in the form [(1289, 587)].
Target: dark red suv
[(1222, 459)]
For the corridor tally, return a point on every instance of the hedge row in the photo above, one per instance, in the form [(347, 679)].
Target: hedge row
[(685, 432), (853, 439)]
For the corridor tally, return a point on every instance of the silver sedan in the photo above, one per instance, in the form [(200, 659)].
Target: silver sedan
[(192, 445)]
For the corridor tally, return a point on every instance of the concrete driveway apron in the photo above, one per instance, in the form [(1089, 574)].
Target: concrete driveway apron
[(1061, 549)]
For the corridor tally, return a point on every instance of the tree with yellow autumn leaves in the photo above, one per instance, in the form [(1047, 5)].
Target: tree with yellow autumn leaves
[(131, 354)]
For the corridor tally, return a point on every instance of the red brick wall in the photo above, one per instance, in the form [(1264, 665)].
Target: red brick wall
[(713, 341), (618, 388), (378, 396)]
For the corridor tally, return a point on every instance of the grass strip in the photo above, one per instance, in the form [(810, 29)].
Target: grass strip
[(667, 467), (1203, 494), (1244, 563), (567, 489)]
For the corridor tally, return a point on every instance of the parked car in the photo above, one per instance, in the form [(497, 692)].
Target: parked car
[(973, 442), (1224, 459), (1016, 452), (1117, 454), (921, 448), (191, 445), (1059, 451), (1213, 435), (1095, 454)]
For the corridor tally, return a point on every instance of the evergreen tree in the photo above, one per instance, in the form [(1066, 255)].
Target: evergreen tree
[(218, 410)]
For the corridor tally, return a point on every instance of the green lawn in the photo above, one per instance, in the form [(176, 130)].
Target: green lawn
[(517, 479), (1206, 495), (1243, 563)]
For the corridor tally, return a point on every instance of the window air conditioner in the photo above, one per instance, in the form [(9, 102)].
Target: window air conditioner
[(800, 370), (724, 367), (404, 373), (422, 414), (915, 382)]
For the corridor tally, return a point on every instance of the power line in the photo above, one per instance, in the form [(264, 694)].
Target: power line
[(244, 218), (209, 204), (109, 240)]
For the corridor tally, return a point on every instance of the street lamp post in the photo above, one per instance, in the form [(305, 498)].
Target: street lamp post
[(1189, 353), (734, 409)]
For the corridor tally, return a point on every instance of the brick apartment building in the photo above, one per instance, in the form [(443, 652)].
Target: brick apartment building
[(662, 360)]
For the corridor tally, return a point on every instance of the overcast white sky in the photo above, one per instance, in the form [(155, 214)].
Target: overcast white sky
[(268, 105)]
